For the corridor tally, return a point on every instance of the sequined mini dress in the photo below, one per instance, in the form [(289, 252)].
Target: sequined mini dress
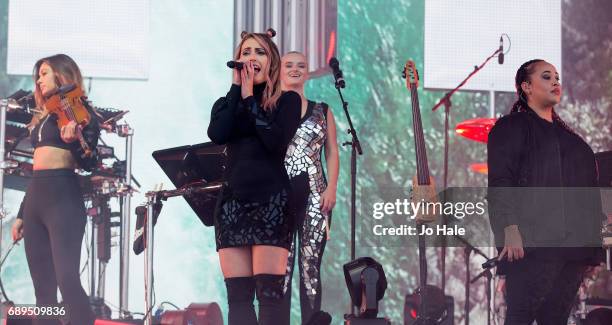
[(253, 206)]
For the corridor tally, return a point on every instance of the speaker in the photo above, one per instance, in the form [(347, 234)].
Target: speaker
[(194, 314)]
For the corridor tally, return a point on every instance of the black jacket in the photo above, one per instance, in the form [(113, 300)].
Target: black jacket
[(543, 178), (256, 141)]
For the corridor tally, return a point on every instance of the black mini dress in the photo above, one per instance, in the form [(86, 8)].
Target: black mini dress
[(253, 209)]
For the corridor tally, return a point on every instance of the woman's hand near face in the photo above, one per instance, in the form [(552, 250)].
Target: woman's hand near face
[(246, 78)]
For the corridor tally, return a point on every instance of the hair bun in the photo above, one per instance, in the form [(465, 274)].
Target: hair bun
[(271, 32)]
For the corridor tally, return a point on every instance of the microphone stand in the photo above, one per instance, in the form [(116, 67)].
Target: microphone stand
[(486, 273), (355, 149), (468, 250), (466, 306), (446, 101), (154, 198)]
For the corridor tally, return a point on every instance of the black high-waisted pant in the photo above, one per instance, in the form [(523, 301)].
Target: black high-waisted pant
[(542, 289), (54, 224)]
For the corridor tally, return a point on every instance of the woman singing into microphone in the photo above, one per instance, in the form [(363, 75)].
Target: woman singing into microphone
[(253, 226), (313, 197), (52, 215)]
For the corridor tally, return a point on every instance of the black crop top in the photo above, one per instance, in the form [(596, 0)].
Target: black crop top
[(47, 133)]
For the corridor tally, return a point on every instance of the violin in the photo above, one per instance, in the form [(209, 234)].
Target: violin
[(67, 103)]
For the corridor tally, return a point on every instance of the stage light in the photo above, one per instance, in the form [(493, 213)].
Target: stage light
[(366, 283), (476, 129), (439, 309)]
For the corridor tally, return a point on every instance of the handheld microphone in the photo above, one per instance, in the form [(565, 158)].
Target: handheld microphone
[(493, 262), (235, 65), (500, 56), (490, 263), (335, 66)]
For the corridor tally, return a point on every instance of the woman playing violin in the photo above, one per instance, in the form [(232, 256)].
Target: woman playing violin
[(52, 215)]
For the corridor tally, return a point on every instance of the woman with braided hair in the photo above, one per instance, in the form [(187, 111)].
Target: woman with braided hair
[(542, 207), (253, 227)]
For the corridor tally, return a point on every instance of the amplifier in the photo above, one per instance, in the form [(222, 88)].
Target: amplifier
[(194, 314)]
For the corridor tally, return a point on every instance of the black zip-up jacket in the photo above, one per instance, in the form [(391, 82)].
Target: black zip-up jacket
[(543, 178)]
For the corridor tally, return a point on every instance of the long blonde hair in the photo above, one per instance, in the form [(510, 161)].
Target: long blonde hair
[(66, 72), (273, 91)]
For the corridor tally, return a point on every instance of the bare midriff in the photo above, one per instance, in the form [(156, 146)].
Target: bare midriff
[(53, 158)]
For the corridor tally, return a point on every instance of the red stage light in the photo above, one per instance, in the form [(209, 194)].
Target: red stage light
[(476, 129), (481, 168)]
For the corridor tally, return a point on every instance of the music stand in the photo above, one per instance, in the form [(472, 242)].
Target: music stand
[(204, 163), (197, 172)]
